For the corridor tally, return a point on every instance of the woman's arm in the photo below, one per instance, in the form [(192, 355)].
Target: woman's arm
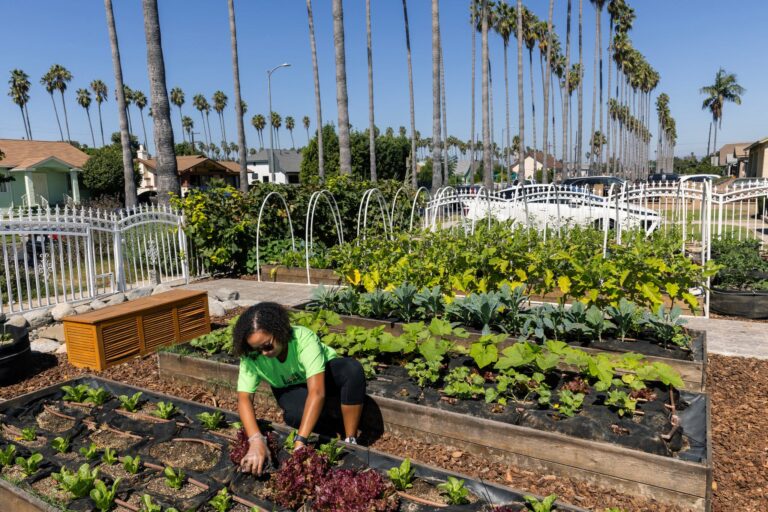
[(247, 416), (258, 454), (314, 404)]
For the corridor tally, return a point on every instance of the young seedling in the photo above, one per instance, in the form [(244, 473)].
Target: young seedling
[(98, 395), (424, 372), (174, 478), (331, 450), (130, 403), (76, 394), (7, 456), (569, 402), (131, 464), (165, 410), (148, 506), (78, 483), (29, 465), (60, 444), (290, 441), (211, 421), (544, 505), (454, 491), (222, 501), (621, 402), (402, 477), (110, 456), (104, 497), (91, 452), (28, 434)]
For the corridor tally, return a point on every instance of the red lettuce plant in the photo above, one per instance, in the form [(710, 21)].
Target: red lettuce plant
[(298, 477), (239, 447), (346, 490)]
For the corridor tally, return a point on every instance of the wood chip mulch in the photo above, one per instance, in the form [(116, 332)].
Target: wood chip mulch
[(739, 438)]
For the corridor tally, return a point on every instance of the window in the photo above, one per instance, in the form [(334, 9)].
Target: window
[(5, 186), (265, 179), (293, 178)]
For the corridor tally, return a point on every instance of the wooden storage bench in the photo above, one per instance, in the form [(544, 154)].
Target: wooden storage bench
[(111, 335)]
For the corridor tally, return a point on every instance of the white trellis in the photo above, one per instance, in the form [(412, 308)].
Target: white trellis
[(362, 212), (258, 227), (77, 254), (314, 199)]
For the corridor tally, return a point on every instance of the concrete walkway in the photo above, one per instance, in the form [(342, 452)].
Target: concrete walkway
[(725, 337)]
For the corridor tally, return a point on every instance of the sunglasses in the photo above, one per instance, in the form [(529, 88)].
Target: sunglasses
[(266, 346)]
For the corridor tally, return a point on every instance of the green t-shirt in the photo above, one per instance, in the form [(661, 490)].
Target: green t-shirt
[(307, 356)]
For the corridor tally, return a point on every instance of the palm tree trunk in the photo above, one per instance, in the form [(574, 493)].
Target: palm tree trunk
[(208, 123), (414, 165), (371, 121), (29, 125), (58, 122), (709, 139), (181, 124), (318, 106), (125, 139), (167, 171), (293, 144), (566, 102), (90, 125), (520, 95), (472, 129), (608, 116), (506, 93), (144, 129), (238, 100), (548, 75), (101, 124), (533, 101), (444, 112), (580, 129), (342, 102), (66, 118), (437, 175), (24, 120), (487, 166), (600, 55), (714, 144), (594, 89)]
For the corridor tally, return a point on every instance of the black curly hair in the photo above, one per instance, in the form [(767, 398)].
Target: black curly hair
[(270, 317)]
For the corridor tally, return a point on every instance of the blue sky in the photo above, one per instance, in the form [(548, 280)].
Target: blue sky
[(685, 40)]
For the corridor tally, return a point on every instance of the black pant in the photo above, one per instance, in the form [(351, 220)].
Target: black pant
[(344, 384)]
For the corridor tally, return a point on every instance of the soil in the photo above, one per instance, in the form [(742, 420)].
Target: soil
[(109, 439), (53, 423), (158, 486), (187, 455), (116, 471), (134, 500), (740, 431), (49, 487), (220, 322), (428, 491), (12, 474)]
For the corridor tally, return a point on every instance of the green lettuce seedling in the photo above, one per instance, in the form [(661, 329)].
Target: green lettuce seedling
[(30, 465), (77, 393), (104, 497), (91, 452), (211, 421), (402, 477), (174, 478), (110, 456), (454, 491), (544, 505), (60, 444), (165, 410), (222, 501), (331, 450), (28, 434), (148, 506), (78, 483), (130, 404), (7, 456), (131, 464), (98, 395)]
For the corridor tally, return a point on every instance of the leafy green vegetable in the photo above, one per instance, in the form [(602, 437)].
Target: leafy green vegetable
[(131, 464), (60, 444), (211, 420), (110, 456), (98, 395), (424, 372), (165, 410), (174, 478), (130, 403), (568, 402), (545, 505), (7, 455), (222, 501), (29, 465), (91, 452), (78, 483), (77, 393), (402, 477), (28, 434), (455, 491), (104, 497), (332, 450)]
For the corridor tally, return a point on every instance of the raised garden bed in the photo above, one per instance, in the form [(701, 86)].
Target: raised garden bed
[(14, 353), (745, 304), (281, 273), (524, 435), (37, 490)]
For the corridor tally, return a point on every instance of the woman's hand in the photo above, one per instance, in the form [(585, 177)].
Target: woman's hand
[(258, 455)]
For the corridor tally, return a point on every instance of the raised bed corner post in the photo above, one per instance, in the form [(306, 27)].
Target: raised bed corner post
[(258, 228), (310, 222), (117, 239)]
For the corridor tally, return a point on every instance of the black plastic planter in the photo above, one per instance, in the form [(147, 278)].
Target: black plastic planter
[(14, 356), (752, 305)]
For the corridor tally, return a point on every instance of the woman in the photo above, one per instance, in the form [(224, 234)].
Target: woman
[(302, 372)]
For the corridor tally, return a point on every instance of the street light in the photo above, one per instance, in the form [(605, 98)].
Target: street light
[(271, 145)]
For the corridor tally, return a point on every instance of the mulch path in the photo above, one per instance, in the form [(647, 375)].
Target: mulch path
[(740, 435)]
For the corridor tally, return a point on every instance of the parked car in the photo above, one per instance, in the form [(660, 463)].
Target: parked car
[(661, 177), (589, 181), (699, 178)]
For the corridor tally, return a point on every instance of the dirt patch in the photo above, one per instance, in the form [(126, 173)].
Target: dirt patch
[(46, 420), (158, 486), (116, 471), (426, 491), (49, 487), (134, 500), (187, 455), (104, 438), (12, 473), (219, 322)]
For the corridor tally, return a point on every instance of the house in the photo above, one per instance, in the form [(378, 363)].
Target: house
[(534, 161), (195, 171), (758, 159), (734, 158), (44, 173), (287, 165)]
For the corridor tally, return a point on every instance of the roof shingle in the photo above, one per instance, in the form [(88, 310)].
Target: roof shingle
[(23, 153)]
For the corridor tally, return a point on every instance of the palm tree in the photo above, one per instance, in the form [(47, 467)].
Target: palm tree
[(201, 104), (19, 93), (484, 64), (259, 123), (599, 4), (122, 115), (239, 103), (219, 104), (342, 102), (62, 76), (276, 121), (473, 24), (100, 94), (290, 124), (725, 89), (318, 106), (177, 98), (128, 100), (49, 82), (413, 169), (579, 131), (437, 175), (371, 122), (187, 124), (529, 37), (520, 92), (505, 18), (305, 121), (544, 136), (84, 100), (167, 170), (141, 101), (567, 88)]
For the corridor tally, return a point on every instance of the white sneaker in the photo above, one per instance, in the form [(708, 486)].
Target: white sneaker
[(351, 440)]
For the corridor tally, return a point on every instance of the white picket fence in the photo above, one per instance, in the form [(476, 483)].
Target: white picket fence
[(76, 254)]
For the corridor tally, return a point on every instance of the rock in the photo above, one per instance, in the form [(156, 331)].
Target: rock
[(17, 321), (3, 318), (138, 293), (59, 311), (45, 345), (97, 305), (246, 303), (161, 288), (85, 308), (54, 332), (62, 349), (225, 294), (215, 308), (38, 318), (118, 298), (457, 454), (229, 305)]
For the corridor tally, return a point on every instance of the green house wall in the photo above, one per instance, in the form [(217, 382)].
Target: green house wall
[(57, 181)]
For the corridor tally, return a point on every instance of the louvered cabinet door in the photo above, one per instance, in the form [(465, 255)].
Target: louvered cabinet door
[(159, 330), (82, 346), (120, 340), (193, 319)]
